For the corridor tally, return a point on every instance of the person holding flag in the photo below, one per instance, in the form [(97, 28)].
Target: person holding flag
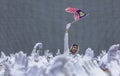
[(74, 48)]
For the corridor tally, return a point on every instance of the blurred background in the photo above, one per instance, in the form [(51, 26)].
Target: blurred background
[(26, 22)]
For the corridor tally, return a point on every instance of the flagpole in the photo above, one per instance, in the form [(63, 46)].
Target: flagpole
[(73, 22)]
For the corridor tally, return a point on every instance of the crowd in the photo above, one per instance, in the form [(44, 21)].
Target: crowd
[(21, 64)]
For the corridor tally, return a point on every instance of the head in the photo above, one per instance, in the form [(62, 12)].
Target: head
[(74, 49)]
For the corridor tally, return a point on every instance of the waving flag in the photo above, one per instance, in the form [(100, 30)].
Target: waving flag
[(77, 12)]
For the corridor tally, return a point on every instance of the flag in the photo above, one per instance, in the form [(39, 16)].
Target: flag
[(77, 12)]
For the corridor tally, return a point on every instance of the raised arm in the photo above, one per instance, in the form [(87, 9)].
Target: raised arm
[(66, 39)]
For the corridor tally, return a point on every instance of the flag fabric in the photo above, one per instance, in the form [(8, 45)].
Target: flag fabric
[(77, 12)]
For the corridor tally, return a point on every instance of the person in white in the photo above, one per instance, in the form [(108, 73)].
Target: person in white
[(74, 48)]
